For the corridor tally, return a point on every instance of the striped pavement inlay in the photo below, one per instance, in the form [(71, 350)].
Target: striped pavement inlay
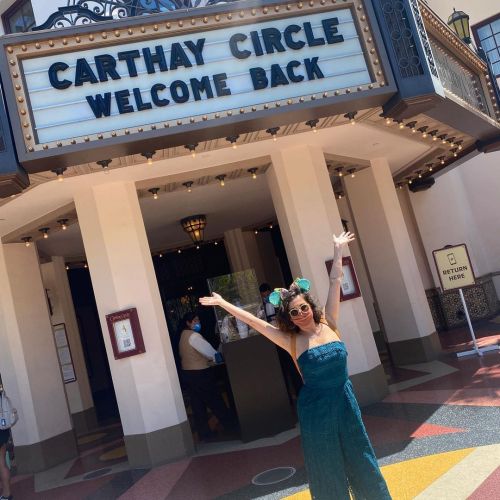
[(409, 479), (464, 478)]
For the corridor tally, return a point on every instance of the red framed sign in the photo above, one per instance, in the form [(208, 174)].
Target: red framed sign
[(125, 332), (349, 287)]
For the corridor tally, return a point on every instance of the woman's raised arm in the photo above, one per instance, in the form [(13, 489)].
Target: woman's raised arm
[(332, 306), (271, 332)]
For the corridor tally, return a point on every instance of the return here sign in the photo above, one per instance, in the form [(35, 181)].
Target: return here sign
[(454, 267)]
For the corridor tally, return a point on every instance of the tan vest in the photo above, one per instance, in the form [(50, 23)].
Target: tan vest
[(191, 359)]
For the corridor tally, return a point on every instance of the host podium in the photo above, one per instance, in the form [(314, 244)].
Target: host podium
[(258, 387)]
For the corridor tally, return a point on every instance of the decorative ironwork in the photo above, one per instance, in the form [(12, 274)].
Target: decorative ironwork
[(423, 37), (130, 8), (458, 79), (396, 17), (73, 15)]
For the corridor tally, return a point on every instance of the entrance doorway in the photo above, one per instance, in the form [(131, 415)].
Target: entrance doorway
[(94, 350)]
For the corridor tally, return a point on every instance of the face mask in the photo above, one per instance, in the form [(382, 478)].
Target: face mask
[(196, 328)]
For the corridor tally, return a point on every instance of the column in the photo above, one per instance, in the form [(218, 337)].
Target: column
[(146, 385), (308, 216), (81, 404), (392, 265), (243, 252), (43, 436)]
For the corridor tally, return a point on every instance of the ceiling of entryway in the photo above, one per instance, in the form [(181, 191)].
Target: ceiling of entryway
[(245, 202)]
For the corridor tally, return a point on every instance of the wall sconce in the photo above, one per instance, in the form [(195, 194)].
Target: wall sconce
[(232, 139), (149, 156), (459, 23), (273, 131), (411, 126), (192, 148), (154, 192), (60, 173), (313, 124), (351, 116), (423, 131), (253, 172), (105, 165)]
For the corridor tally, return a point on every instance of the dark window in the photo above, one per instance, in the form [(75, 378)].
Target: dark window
[(19, 18), (487, 35)]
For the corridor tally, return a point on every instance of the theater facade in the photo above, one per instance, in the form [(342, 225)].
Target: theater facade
[(147, 153)]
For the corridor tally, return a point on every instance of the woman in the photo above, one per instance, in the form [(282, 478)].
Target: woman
[(195, 354), (338, 455), (4, 470)]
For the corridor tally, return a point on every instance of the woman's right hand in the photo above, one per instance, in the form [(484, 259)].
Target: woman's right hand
[(214, 300)]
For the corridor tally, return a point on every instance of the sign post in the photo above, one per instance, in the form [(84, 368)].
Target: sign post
[(455, 271)]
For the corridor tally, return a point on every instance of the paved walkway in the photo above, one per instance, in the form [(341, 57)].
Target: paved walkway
[(437, 436)]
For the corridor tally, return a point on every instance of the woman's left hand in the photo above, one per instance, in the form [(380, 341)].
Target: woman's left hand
[(343, 239)]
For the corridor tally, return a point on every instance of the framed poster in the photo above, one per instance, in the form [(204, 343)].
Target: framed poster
[(125, 332), (349, 286), (64, 353)]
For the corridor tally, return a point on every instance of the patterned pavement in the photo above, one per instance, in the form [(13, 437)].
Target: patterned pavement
[(436, 435)]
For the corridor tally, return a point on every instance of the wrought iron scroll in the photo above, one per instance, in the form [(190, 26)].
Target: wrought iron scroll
[(458, 79), (73, 15), (130, 8)]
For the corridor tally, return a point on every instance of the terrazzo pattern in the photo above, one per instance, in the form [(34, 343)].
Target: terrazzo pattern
[(439, 422)]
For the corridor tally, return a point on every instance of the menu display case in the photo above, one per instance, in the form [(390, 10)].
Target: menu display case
[(241, 289)]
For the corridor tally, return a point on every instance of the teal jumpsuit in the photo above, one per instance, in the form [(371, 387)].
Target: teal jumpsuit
[(339, 458)]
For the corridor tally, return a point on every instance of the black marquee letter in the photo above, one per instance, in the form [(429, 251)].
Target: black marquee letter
[(158, 87), (291, 75), (54, 81), (100, 104), (233, 45), (287, 35), (121, 97), (221, 85), (259, 78), (174, 91)]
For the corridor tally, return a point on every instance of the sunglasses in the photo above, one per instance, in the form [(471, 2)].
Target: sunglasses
[(303, 308)]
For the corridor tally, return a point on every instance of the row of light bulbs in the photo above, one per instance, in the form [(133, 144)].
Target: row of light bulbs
[(189, 184), (425, 132), (180, 250), (63, 224), (232, 139)]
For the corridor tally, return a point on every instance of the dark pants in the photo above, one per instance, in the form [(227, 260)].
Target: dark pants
[(203, 393)]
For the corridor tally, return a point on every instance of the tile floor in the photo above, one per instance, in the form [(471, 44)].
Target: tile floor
[(436, 434)]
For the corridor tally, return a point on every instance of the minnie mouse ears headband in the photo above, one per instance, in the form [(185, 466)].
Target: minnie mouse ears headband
[(280, 294)]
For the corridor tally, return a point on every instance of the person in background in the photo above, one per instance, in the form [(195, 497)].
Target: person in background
[(4, 469), (267, 311), (196, 356)]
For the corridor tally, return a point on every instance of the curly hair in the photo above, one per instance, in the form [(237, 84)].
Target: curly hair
[(283, 320)]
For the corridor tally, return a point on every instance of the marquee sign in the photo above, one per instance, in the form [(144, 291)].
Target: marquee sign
[(166, 80)]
